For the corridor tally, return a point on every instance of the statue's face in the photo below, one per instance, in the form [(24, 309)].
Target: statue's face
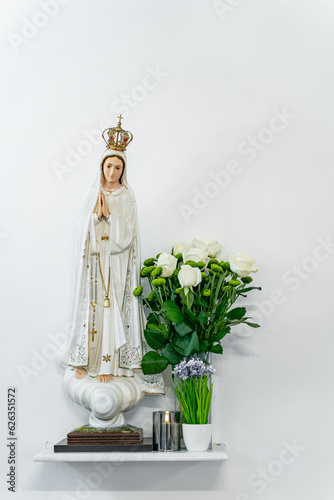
[(112, 169)]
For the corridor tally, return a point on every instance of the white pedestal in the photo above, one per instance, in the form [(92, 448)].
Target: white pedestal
[(107, 401)]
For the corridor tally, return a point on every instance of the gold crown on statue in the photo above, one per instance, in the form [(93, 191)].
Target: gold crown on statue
[(118, 138)]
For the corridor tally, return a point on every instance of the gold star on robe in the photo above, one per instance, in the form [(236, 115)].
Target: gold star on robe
[(107, 358)]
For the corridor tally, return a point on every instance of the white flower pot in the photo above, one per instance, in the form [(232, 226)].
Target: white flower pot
[(197, 437)]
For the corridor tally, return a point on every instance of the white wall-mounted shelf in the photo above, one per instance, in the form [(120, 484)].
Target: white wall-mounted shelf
[(215, 454)]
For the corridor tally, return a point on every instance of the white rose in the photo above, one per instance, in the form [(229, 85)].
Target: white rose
[(212, 247), (242, 264), (180, 247), (189, 276), (168, 263), (195, 254)]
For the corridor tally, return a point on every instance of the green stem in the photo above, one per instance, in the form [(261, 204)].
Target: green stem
[(150, 282), (199, 296), (211, 287), (150, 307), (160, 295), (164, 292), (218, 287), (170, 285)]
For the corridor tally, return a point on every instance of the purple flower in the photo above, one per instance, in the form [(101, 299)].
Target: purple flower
[(193, 368)]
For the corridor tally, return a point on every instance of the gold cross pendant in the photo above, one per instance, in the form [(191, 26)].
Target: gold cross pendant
[(93, 334)]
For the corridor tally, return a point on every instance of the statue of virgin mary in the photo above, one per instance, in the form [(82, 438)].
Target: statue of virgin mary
[(108, 321)]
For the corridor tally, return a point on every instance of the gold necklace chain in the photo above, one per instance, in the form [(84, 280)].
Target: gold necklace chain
[(106, 299)]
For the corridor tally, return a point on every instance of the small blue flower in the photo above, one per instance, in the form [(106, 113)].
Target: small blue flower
[(193, 368)]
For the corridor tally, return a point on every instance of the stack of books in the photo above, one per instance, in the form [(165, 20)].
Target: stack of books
[(124, 435)]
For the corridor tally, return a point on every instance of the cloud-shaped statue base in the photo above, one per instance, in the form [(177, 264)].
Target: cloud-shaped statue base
[(108, 401)]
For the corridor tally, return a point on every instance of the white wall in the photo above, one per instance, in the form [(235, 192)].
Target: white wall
[(225, 70)]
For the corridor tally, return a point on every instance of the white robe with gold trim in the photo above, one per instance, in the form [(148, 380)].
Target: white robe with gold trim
[(117, 343)]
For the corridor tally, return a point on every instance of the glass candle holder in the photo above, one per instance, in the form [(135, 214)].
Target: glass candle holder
[(166, 430)]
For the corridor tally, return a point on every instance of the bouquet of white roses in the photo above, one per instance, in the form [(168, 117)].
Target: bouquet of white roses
[(191, 298)]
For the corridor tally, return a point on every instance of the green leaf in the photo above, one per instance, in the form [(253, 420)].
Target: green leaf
[(203, 319), (217, 349), (152, 318), (182, 329), (158, 329), (236, 313), (204, 345), (177, 345), (193, 319), (171, 354), (156, 340), (221, 334), (152, 363), (187, 345), (234, 322), (172, 312), (244, 290), (253, 325)]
